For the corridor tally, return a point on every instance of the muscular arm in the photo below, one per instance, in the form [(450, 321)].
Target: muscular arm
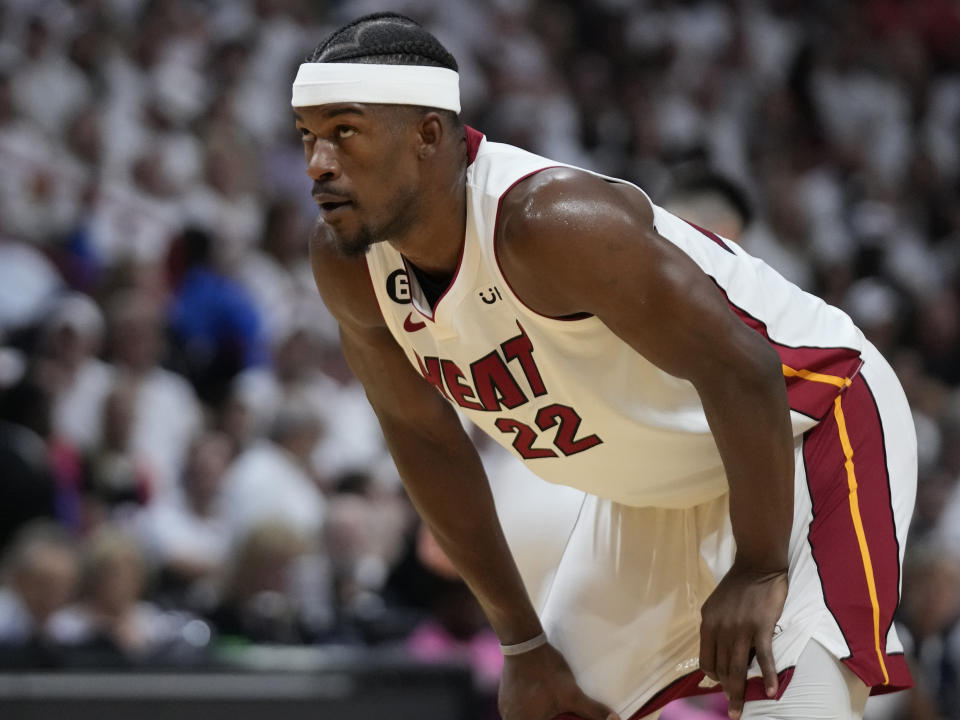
[(446, 482), (439, 465), (571, 243)]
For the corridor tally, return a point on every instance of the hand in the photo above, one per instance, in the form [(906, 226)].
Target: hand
[(739, 618), (538, 685)]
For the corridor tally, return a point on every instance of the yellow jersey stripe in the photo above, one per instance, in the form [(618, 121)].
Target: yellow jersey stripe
[(861, 535), (816, 377)]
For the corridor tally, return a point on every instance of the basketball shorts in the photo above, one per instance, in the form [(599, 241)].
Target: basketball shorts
[(624, 602)]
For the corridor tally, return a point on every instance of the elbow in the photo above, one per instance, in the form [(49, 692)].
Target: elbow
[(763, 372), (768, 366), (752, 366)]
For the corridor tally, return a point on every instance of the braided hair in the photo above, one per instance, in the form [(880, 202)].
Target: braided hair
[(386, 38)]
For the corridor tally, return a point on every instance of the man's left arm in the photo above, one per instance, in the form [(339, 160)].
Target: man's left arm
[(571, 243)]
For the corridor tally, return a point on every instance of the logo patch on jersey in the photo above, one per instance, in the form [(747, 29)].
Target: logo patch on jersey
[(411, 325), (398, 287), (490, 295)]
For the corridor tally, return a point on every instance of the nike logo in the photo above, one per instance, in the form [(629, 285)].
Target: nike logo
[(410, 325)]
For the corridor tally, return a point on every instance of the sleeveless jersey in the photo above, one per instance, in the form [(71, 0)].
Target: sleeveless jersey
[(577, 404)]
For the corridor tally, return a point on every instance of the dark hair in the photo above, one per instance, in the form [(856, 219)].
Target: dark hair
[(39, 531), (385, 38), (28, 403), (197, 246), (702, 181)]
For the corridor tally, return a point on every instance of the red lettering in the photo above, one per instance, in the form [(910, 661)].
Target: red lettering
[(495, 386), (523, 442), (461, 393), (521, 348), (566, 439), (431, 373)]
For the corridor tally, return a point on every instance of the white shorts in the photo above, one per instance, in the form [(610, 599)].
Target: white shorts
[(822, 688), (624, 603)]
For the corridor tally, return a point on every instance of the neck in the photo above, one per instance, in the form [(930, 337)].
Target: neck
[(434, 244)]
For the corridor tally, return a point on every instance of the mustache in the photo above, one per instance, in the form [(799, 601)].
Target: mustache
[(325, 189)]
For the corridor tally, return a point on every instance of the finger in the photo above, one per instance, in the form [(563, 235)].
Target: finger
[(708, 650), (768, 665), (736, 677), (589, 709), (721, 663)]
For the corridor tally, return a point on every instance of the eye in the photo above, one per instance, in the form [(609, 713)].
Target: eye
[(345, 131), (305, 134)]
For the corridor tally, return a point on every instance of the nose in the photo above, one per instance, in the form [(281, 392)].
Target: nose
[(322, 163)]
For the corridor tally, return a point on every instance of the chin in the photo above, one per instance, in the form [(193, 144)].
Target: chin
[(353, 250), (352, 246)]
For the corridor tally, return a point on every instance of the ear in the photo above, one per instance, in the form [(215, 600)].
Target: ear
[(430, 134)]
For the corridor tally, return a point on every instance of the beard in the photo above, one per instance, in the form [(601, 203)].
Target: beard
[(355, 245), (402, 213)]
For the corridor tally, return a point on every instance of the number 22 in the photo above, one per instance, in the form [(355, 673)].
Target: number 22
[(565, 439)]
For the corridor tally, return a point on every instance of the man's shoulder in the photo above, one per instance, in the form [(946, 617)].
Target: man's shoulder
[(533, 207), (561, 225), (562, 204)]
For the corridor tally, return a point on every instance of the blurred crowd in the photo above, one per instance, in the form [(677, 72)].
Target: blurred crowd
[(187, 465)]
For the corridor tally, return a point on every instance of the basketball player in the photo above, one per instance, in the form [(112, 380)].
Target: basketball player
[(748, 458)]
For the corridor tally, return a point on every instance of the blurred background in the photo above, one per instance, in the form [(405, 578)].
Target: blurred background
[(191, 480)]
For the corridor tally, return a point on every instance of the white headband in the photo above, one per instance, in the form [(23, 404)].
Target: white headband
[(324, 83)]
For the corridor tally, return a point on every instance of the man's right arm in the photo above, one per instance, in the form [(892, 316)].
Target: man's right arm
[(445, 480), (440, 467)]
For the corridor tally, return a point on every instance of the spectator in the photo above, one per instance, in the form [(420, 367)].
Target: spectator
[(28, 282), (249, 410), (363, 534), (711, 201), (166, 415), (183, 533), (49, 86), (228, 205), (37, 199), (115, 473), (273, 480), (111, 622), (41, 571), (258, 600), (877, 309), (217, 328), (930, 613), (73, 334), (135, 218), (29, 488), (456, 629), (278, 276)]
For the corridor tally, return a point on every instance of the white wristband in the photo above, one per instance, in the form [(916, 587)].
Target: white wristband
[(526, 646)]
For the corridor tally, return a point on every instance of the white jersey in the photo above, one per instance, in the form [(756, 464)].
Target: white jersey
[(568, 396), (652, 536)]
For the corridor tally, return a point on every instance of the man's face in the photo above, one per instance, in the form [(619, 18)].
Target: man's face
[(48, 580), (363, 163)]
